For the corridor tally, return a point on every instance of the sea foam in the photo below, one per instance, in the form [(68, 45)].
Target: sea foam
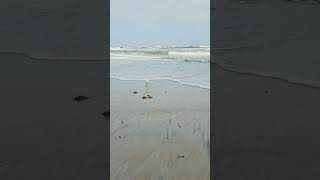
[(187, 65)]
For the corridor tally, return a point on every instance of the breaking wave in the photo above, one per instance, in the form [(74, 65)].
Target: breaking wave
[(188, 54), (186, 65)]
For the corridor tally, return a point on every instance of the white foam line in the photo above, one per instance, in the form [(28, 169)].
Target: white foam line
[(168, 79)]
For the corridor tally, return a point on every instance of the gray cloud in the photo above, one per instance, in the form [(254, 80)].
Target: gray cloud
[(160, 22), (146, 10)]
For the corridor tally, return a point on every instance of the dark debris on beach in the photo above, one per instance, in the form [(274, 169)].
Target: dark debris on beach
[(80, 98), (147, 97), (106, 113)]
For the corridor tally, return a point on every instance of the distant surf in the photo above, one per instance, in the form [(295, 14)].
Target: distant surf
[(202, 53), (187, 65)]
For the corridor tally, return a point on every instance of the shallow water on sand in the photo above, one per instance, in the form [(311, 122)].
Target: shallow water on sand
[(185, 65)]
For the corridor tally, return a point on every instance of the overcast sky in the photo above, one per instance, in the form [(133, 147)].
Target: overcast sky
[(160, 22)]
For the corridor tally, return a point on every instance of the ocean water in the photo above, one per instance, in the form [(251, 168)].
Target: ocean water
[(186, 65)]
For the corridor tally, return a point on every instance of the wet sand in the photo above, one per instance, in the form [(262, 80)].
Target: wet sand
[(163, 137), (45, 134), (264, 128), (266, 96), (282, 44)]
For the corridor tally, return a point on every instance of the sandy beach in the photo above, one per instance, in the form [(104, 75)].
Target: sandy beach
[(265, 90), (45, 134), (163, 137), (48, 56), (264, 128)]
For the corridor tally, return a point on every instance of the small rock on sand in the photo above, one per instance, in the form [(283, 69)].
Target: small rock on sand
[(80, 98), (106, 113)]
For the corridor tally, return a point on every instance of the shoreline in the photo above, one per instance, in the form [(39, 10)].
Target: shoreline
[(266, 90), (314, 84), (52, 58), (164, 79)]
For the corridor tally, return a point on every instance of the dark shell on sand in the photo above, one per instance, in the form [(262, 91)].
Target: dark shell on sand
[(135, 92), (81, 98)]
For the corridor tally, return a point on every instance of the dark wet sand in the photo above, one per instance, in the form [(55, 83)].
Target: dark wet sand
[(45, 134), (264, 128), (265, 121), (268, 37)]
